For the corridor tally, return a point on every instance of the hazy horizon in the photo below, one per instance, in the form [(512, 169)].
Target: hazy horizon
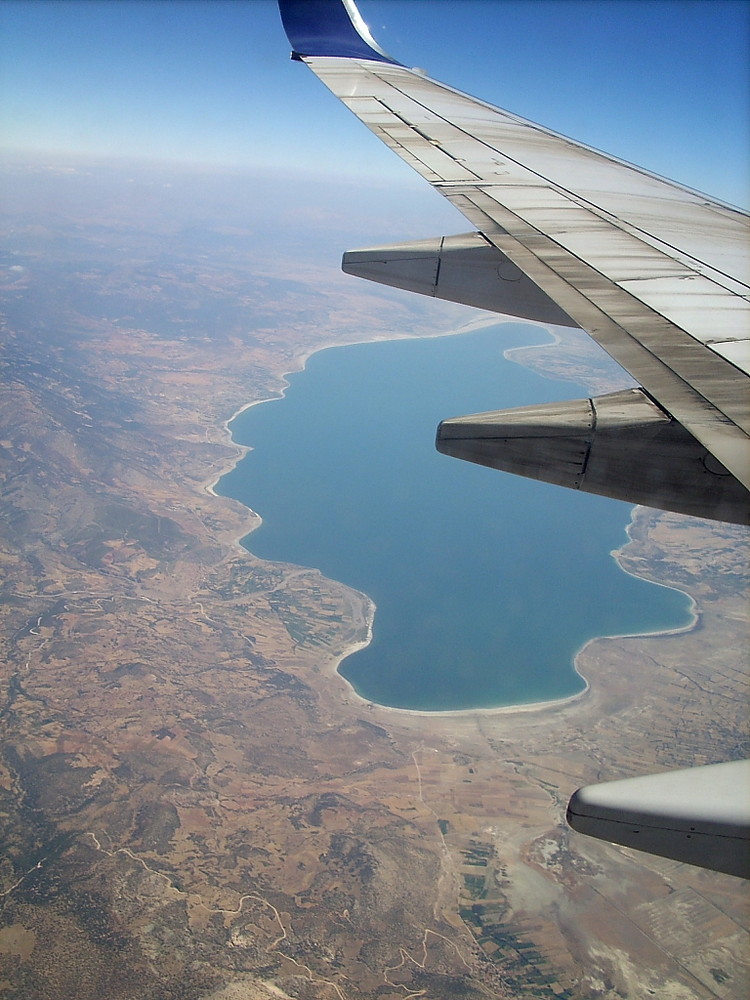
[(662, 85)]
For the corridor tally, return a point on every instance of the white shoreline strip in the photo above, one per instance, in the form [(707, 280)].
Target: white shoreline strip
[(478, 323), (355, 647), (555, 703)]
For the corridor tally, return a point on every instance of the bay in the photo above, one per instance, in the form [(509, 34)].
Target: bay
[(486, 585)]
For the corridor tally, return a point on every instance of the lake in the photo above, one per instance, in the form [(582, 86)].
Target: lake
[(486, 585)]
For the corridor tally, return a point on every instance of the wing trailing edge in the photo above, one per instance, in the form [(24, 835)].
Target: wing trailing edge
[(621, 445)]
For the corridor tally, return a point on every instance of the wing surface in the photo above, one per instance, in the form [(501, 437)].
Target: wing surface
[(655, 272), (697, 815)]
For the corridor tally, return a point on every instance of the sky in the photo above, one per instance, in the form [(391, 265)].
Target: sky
[(663, 83)]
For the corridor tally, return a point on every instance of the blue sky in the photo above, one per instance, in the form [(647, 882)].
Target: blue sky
[(664, 84)]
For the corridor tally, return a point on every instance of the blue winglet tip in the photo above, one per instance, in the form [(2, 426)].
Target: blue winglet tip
[(329, 28)]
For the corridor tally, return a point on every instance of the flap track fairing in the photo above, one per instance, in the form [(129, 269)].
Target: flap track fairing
[(466, 269), (621, 445)]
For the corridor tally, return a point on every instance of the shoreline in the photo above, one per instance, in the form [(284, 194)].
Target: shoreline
[(693, 605), (554, 703), (523, 707), (355, 646), (555, 340), (241, 450)]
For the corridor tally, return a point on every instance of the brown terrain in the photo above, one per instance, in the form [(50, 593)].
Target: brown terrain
[(193, 803)]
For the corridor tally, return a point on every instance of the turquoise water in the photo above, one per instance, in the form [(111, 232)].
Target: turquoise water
[(486, 584)]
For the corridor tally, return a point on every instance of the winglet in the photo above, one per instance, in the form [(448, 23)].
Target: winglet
[(329, 28)]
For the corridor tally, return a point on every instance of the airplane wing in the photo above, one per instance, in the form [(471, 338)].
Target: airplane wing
[(655, 272), (697, 815)]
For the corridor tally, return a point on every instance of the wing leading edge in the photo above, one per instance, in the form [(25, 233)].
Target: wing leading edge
[(655, 272)]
